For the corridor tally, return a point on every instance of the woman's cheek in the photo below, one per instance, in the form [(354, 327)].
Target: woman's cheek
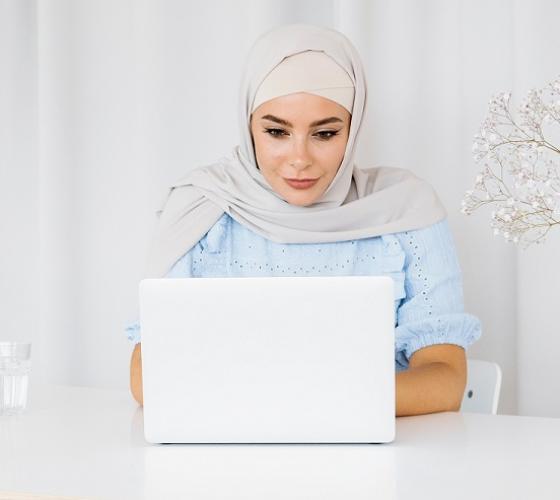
[(275, 154)]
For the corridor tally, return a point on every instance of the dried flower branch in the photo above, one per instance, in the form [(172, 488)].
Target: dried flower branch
[(524, 151)]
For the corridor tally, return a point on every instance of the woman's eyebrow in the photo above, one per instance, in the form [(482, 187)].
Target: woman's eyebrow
[(281, 121)]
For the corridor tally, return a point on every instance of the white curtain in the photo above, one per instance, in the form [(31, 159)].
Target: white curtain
[(105, 102)]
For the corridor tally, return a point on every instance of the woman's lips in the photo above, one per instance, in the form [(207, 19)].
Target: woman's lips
[(301, 183)]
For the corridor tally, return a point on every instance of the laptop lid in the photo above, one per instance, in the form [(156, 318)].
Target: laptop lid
[(268, 359)]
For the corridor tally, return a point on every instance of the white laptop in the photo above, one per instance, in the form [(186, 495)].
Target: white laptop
[(268, 359)]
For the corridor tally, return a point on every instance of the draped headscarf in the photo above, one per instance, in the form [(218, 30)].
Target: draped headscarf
[(359, 202)]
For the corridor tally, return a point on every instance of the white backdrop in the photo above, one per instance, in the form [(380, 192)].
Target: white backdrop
[(105, 102)]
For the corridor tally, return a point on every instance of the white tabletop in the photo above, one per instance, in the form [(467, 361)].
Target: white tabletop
[(88, 443)]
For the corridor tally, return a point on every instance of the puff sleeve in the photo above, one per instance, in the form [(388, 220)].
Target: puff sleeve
[(432, 311)]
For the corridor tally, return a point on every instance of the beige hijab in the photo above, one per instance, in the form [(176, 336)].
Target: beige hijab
[(359, 203)]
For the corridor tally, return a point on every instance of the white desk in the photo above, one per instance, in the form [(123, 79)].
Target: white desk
[(89, 443)]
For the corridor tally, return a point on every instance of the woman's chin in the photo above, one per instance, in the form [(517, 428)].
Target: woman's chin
[(300, 200)]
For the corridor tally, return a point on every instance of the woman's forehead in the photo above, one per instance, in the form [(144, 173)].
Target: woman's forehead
[(300, 106)]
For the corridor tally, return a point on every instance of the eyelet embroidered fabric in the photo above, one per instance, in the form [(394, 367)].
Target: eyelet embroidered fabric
[(423, 264)]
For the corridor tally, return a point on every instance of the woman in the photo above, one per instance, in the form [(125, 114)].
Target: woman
[(289, 200)]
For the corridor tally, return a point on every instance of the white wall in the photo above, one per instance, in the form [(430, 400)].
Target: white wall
[(537, 61), (103, 103), (19, 190)]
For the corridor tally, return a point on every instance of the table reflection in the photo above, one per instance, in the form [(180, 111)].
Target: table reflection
[(257, 471)]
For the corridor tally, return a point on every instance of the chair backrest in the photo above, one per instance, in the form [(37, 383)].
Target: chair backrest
[(482, 392)]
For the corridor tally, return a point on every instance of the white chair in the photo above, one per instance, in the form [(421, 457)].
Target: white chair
[(482, 392)]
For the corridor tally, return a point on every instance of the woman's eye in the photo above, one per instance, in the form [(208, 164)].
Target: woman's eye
[(274, 132), (323, 135), (327, 134)]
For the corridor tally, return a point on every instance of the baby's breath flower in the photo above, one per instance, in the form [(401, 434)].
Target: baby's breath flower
[(519, 151)]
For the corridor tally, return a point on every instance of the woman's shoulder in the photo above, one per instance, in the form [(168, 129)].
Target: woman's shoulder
[(214, 238), (432, 228), (434, 242)]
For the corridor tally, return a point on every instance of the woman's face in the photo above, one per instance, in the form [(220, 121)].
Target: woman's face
[(299, 142)]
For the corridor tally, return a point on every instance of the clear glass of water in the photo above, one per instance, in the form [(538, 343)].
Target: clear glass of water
[(15, 365)]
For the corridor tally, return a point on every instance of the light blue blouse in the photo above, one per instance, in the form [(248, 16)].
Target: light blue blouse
[(422, 262)]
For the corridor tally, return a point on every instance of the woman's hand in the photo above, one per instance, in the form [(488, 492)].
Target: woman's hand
[(435, 381), (136, 374)]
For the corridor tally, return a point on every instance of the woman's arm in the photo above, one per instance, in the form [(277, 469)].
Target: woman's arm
[(435, 381), (136, 374), (432, 330)]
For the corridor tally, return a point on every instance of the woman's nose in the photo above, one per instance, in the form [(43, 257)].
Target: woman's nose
[(300, 157)]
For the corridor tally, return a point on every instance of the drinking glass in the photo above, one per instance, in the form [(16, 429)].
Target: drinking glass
[(15, 365)]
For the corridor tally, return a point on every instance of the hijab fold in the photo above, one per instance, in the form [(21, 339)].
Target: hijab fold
[(359, 203)]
